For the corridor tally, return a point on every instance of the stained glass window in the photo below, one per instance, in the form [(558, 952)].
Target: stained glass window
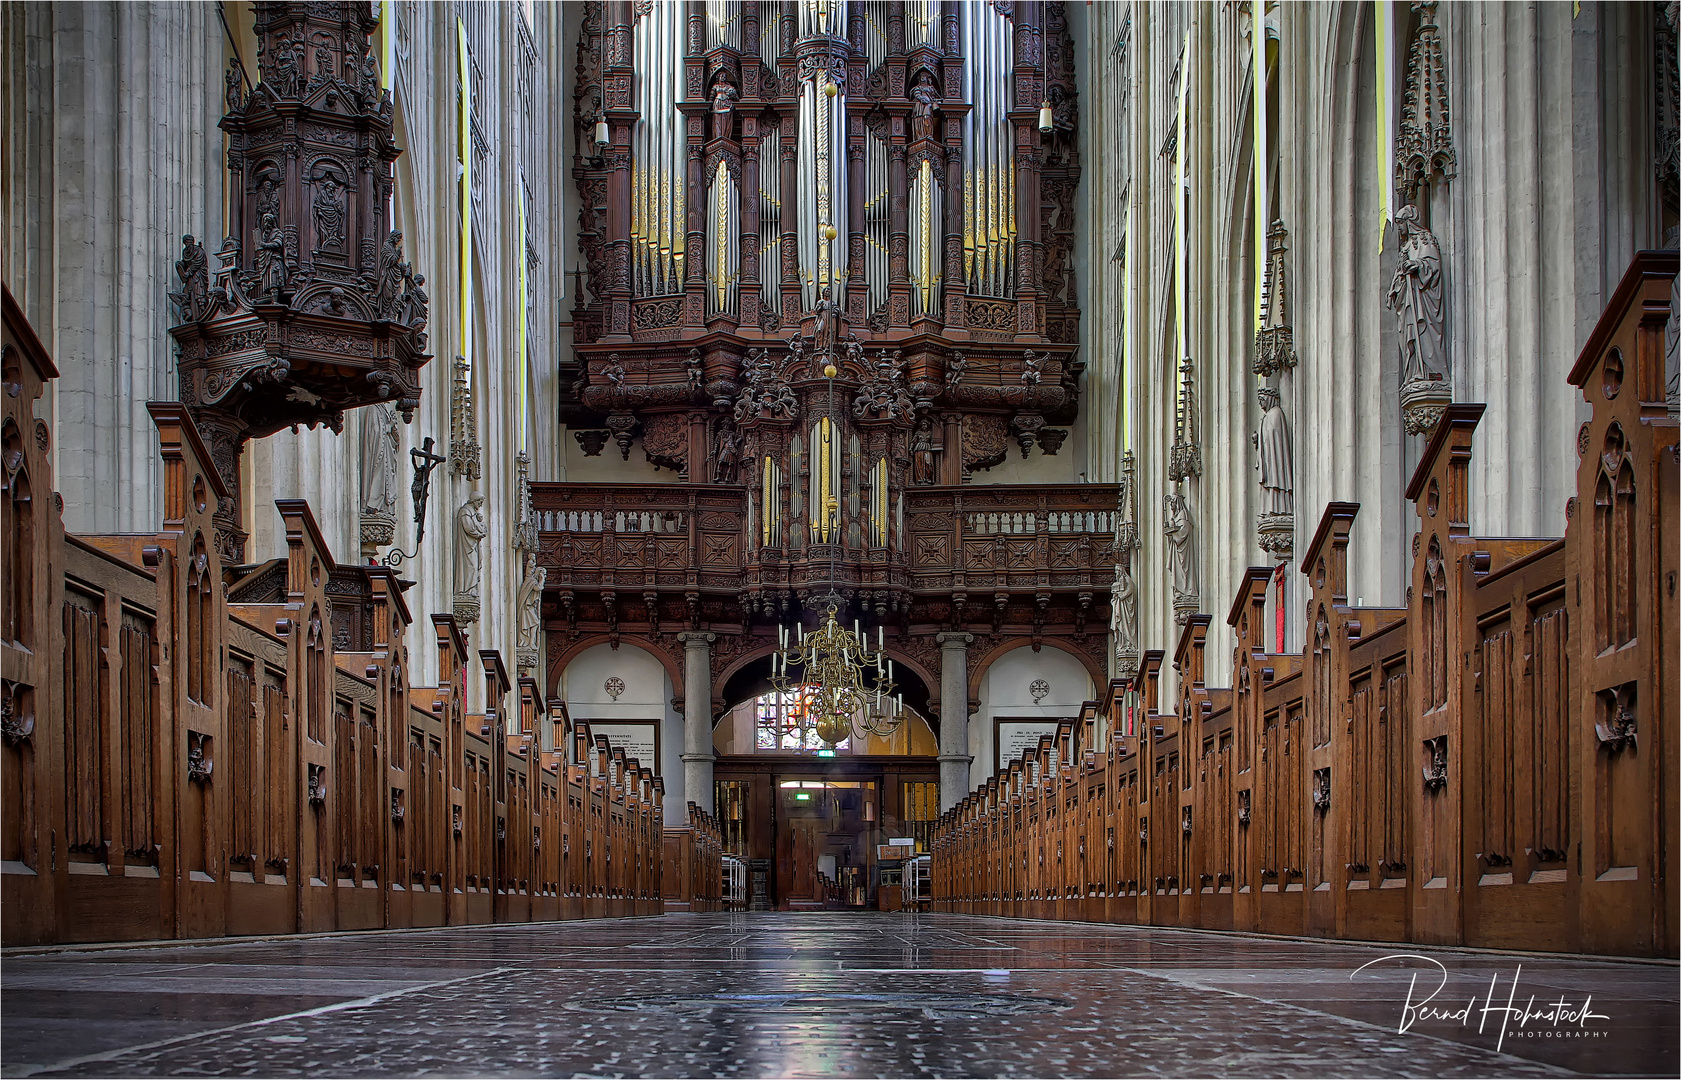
[(782, 723)]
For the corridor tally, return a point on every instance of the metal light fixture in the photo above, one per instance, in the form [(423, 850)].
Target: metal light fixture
[(829, 665), (602, 136)]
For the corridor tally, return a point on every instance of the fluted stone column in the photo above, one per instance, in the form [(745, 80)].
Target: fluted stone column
[(954, 718), (697, 718)]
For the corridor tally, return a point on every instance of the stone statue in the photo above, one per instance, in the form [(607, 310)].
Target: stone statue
[(1181, 549), (329, 213), (823, 334), (922, 452), (729, 455), (530, 601), (1415, 295), (193, 268), (926, 96), (271, 258), (1273, 459), (470, 530), (393, 276), (380, 447), (1123, 604)]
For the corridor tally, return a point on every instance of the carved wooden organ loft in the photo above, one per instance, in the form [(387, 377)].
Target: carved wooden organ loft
[(768, 190)]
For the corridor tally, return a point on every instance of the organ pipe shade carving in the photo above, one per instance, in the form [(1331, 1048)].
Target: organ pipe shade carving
[(825, 480), (659, 149), (724, 211), (926, 268)]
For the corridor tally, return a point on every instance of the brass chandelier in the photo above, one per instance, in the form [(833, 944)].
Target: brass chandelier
[(830, 666)]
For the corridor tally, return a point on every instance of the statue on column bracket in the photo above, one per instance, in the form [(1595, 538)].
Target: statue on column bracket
[(1416, 297), (1276, 466), (530, 607), (1182, 557), (470, 530), (380, 450), (1123, 605)]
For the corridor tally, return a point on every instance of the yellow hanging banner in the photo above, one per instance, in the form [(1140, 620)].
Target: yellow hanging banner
[(1180, 204), (464, 124), (1258, 49)]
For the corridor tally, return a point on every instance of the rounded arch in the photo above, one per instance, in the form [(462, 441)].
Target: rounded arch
[(584, 642), (1094, 671), (742, 665)]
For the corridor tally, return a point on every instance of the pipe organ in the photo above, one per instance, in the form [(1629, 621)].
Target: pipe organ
[(827, 248)]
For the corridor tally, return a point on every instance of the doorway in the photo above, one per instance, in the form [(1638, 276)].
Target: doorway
[(817, 834)]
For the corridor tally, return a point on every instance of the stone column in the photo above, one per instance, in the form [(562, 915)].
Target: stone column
[(697, 718), (954, 719)]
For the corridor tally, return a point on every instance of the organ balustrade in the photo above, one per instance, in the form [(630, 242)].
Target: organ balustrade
[(1493, 764), (192, 749)]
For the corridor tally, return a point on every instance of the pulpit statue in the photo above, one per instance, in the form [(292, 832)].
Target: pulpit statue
[(193, 268), (271, 258)]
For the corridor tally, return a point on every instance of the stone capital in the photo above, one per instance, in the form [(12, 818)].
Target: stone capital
[(955, 642), (697, 639)]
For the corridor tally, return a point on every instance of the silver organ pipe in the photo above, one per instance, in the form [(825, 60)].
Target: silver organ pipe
[(821, 169), (723, 24), (658, 154), (770, 220), (922, 24), (878, 222), (989, 175)]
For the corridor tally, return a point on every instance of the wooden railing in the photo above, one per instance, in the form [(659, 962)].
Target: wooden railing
[(1494, 764), (178, 765)]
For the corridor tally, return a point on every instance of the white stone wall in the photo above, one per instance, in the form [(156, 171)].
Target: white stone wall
[(1552, 126), (112, 153)]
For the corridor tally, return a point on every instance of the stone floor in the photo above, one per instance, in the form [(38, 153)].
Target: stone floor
[(826, 995)]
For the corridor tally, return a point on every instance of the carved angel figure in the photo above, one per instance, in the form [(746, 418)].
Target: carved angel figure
[(1415, 295), (956, 367), (1030, 362)]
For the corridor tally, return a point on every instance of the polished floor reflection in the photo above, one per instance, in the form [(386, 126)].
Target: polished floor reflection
[(829, 995)]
